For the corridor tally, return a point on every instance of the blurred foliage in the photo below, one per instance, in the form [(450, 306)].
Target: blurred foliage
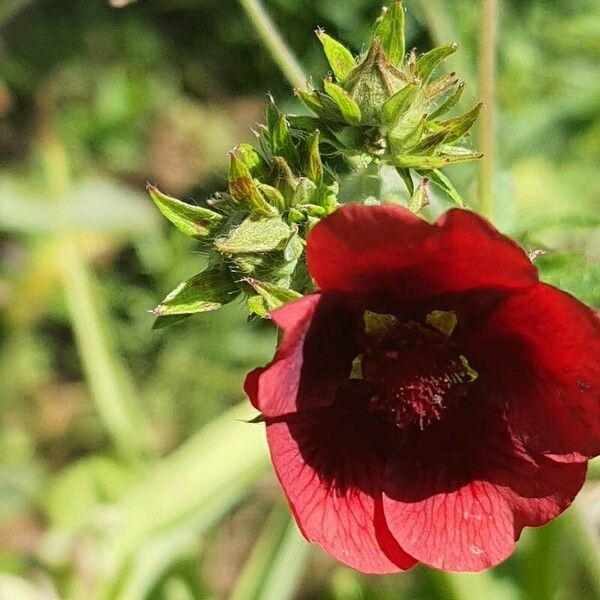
[(126, 470)]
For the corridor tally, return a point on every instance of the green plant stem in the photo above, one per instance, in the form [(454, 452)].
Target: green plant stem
[(487, 87), (109, 383), (272, 39)]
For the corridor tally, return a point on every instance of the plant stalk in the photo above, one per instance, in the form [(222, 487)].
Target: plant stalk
[(487, 86), (274, 42)]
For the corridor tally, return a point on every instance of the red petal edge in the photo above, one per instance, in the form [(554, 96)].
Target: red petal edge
[(362, 248), (331, 479)]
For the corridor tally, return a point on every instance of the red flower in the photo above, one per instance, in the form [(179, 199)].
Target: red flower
[(433, 398)]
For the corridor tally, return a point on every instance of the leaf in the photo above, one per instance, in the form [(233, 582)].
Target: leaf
[(194, 221), (273, 295), (339, 57), (189, 490), (399, 103), (439, 179), (390, 32), (255, 235), (427, 63), (204, 292), (346, 105)]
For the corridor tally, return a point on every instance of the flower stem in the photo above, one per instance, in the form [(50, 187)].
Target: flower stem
[(275, 44), (487, 87)]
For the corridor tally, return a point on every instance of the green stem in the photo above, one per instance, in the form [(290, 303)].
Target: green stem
[(109, 383), (272, 39), (487, 86)]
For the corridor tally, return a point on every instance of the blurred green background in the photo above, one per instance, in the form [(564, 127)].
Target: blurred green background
[(126, 470)]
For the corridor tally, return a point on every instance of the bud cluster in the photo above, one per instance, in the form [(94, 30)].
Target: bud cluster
[(384, 107), (254, 233), (387, 105)]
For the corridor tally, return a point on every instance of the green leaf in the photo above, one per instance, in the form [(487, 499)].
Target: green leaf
[(273, 295), (449, 103), (339, 57), (243, 188), (194, 221), (276, 562), (427, 63), (169, 321), (390, 31), (399, 103), (204, 292), (420, 197), (255, 235), (439, 179), (188, 490), (346, 105), (432, 162)]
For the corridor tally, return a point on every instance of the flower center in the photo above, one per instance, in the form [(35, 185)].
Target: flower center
[(414, 372)]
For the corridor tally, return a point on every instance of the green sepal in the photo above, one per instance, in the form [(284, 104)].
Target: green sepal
[(255, 235), (429, 143), (244, 189), (273, 196), (420, 198), (320, 104), (252, 159), (305, 192), (399, 103), (438, 87), (195, 221), (427, 63), (204, 292), (314, 167), (294, 249), (390, 31), (439, 179), (279, 134), (168, 321), (407, 178), (284, 179), (339, 57), (272, 297), (348, 108), (431, 162), (450, 102), (457, 127)]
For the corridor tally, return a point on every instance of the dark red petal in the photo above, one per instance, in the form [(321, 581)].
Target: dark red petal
[(314, 358), (457, 496), (362, 248), (541, 352), (331, 477)]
